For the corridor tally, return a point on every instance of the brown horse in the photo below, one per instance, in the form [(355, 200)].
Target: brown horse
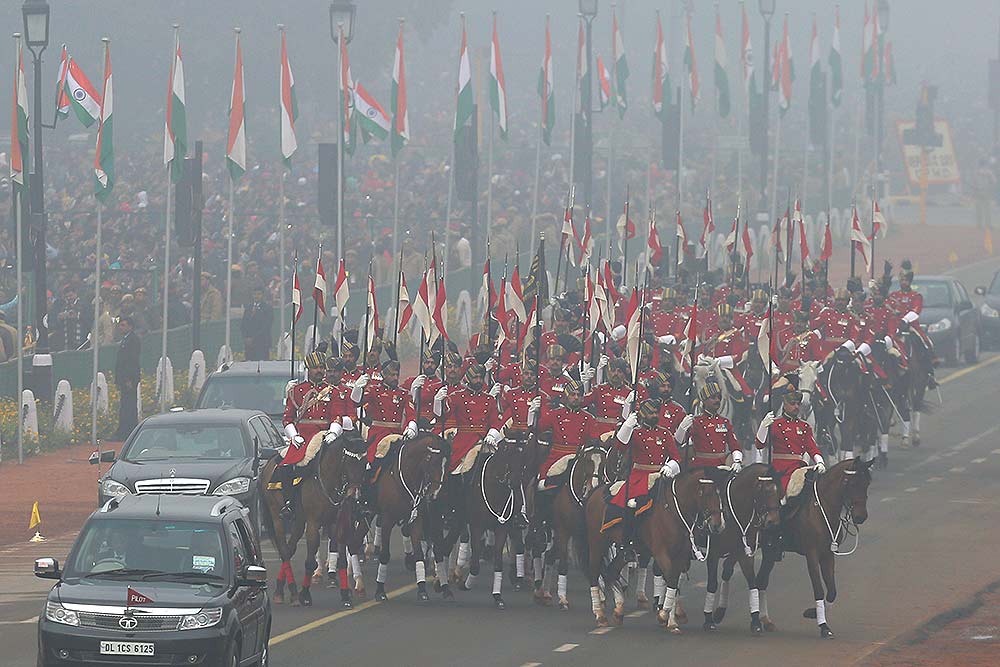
[(564, 519), (679, 506), (334, 478), (751, 499), (826, 511), (410, 479)]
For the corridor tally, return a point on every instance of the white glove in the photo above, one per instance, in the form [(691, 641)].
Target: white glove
[(494, 390), (415, 386), (864, 349), (737, 461), (704, 359), (820, 463), (298, 441), (737, 466), (872, 284), (765, 425), (359, 387), (410, 432), (726, 361), (603, 362), (490, 364), (624, 433), (911, 317), (618, 332), (627, 405), (849, 345), (439, 397), (291, 432), (334, 432), (362, 380), (348, 423), (587, 374), (669, 339), (493, 437), (670, 469), (680, 435)]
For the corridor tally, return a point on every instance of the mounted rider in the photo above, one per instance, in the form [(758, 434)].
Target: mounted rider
[(305, 416), (473, 411), (790, 437), (652, 451), (572, 429), (422, 388), (387, 408), (711, 437)]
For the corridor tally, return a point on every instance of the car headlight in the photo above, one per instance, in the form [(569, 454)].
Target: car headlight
[(941, 325), (233, 487), (205, 618), (57, 613), (110, 487), (988, 311)]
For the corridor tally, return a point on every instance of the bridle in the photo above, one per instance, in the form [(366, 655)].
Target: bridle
[(583, 453), (425, 480), (845, 513), (339, 493), (504, 481), (756, 519), (700, 519)]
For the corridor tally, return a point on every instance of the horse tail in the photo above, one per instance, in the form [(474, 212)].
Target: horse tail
[(266, 514)]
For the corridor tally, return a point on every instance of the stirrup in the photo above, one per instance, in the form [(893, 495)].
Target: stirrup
[(288, 509)]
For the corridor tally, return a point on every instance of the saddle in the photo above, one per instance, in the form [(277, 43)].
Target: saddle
[(613, 515)]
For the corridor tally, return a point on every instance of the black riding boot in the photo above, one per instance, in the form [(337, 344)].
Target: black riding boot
[(286, 475)]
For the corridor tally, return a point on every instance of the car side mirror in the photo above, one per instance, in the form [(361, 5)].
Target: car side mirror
[(254, 575), (981, 291), (107, 456), (47, 568)]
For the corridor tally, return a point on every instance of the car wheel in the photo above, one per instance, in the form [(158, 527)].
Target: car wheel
[(953, 355), (265, 651), (234, 657), (972, 356)]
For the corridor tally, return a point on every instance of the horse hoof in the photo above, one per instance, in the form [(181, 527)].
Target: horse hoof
[(454, 577), (680, 616), (361, 592), (295, 603), (305, 598), (463, 587), (518, 583), (720, 613), (446, 593), (332, 582), (542, 598), (422, 596), (602, 621), (755, 628), (498, 601), (825, 632), (563, 604), (437, 586), (673, 629), (642, 602), (369, 551), (769, 625), (809, 612), (618, 617), (916, 443), (709, 626)]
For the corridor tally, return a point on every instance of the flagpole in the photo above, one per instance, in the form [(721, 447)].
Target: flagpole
[(572, 122), (451, 180), (789, 238), (166, 246), (281, 244), (489, 170), (774, 180), (611, 159), (19, 221), (853, 242), (872, 268), (340, 150), (95, 342), (294, 313), (315, 302), (399, 285), (229, 266), (538, 177), (364, 343), (625, 242)]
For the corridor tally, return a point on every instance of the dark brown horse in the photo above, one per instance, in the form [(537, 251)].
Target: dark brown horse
[(920, 366), (844, 410), (564, 519), (828, 509), (751, 500), (326, 487), (410, 479), (666, 529)]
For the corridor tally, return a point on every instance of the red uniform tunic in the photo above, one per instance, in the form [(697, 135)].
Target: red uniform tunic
[(803, 347), (473, 414), (605, 403), (671, 414), (389, 409), (713, 439), (836, 327), (906, 301), (669, 323), (339, 405), (791, 439), (514, 408), (308, 421), (571, 429), (552, 385), (651, 448), (749, 321)]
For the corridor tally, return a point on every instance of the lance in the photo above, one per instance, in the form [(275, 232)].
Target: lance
[(562, 236), (625, 242), (693, 328), (872, 276), (294, 313), (399, 285), (315, 302), (789, 237), (420, 361), (364, 344), (735, 252), (444, 348), (854, 207), (770, 367)]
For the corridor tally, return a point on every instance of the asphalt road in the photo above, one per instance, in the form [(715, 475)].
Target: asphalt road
[(930, 542)]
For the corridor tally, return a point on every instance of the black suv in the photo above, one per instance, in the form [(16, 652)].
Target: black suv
[(200, 452), (161, 580), (248, 385)]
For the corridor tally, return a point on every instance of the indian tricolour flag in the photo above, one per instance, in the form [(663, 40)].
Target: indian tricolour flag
[(721, 76), (498, 88), (661, 74), (692, 65), (236, 145), (289, 106), (546, 91), (372, 118), (62, 99), (620, 64), (175, 127), (397, 98), (84, 98), (104, 158), (465, 104), (19, 123), (836, 64)]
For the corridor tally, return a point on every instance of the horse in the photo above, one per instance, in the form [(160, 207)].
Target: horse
[(410, 479), (564, 519), (845, 385), (678, 506), (335, 477), (827, 509), (919, 372), (751, 501)]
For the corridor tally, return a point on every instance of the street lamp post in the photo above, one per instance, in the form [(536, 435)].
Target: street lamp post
[(588, 9), (883, 20), (341, 21), (36, 31), (766, 8)]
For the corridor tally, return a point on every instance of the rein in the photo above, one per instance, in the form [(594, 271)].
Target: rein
[(844, 522), (691, 526), (339, 493), (508, 509), (750, 522)]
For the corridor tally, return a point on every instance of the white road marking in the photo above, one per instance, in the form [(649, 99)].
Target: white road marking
[(980, 460), (532, 664), (957, 469), (565, 648), (912, 489), (636, 614), (972, 501), (601, 631), (980, 638), (996, 451), (888, 499), (934, 479)]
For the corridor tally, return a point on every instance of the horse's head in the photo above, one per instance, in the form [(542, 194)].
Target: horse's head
[(710, 505), (854, 484), (808, 373), (351, 464), (432, 464), (767, 501)]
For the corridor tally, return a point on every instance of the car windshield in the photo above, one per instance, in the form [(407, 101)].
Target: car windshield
[(142, 549), (936, 294), (246, 392), (186, 441)]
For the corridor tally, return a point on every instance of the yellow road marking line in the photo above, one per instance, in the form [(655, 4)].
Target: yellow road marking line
[(320, 622), (965, 371)]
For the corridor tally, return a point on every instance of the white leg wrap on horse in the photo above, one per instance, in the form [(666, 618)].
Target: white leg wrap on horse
[(916, 422), (641, 574), (383, 573), (754, 601), (470, 580), (356, 566), (763, 603), (550, 572), (595, 599), (538, 568), (848, 455), (464, 552), (883, 443), (619, 594), (519, 565), (724, 594), (453, 558), (561, 586), (820, 612), (906, 428), (669, 602), (421, 572), (659, 586), (331, 558), (378, 537), (497, 582), (709, 603), (407, 545)]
